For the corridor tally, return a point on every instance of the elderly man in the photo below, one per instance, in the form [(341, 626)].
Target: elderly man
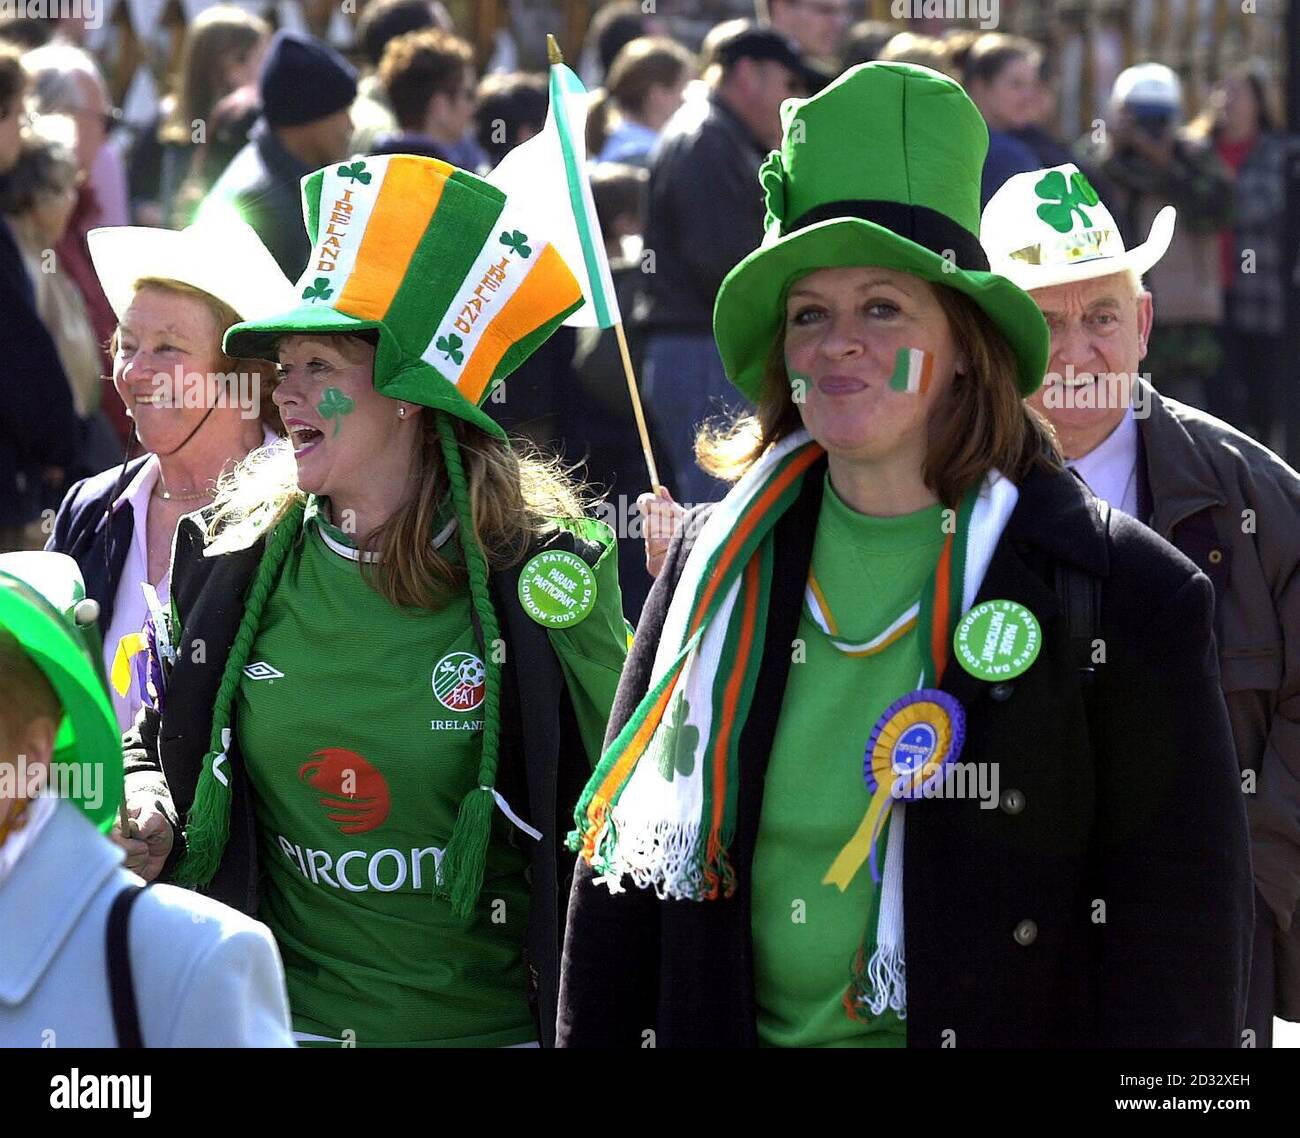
[(1225, 501)]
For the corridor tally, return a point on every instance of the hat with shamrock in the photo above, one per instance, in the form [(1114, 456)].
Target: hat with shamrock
[(1049, 227), (880, 168), (430, 259), (43, 605)]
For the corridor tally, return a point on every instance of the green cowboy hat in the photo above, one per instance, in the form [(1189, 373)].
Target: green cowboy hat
[(43, 605), (428, 257), (880, 168)]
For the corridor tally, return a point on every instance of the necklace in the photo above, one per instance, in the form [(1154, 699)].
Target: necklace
[(166, 497)]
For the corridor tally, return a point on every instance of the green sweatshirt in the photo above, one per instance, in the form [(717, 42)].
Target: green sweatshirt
[(361, 726)]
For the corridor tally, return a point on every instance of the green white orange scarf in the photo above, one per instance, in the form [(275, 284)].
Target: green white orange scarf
[(661, 805)]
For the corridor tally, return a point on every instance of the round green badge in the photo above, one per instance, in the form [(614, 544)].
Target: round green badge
[(557, 589), (997, 640)]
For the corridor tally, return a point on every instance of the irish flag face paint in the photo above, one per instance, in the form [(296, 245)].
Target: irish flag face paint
[(913, 371)]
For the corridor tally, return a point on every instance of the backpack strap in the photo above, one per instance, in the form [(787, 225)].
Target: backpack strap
[(1080, 595), (121, 987)]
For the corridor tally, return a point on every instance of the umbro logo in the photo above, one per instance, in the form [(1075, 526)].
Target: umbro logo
[(261, 670)]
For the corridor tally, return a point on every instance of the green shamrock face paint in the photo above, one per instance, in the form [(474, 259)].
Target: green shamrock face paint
[(334, 405)]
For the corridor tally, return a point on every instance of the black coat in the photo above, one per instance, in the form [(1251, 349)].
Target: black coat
[(544, 767), (97, 542), (1132, 801)]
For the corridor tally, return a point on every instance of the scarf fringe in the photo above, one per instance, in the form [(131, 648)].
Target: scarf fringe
[(672, 858), (878, 983)]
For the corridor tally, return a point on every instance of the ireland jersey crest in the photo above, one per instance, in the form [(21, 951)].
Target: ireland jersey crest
[(459, 681)]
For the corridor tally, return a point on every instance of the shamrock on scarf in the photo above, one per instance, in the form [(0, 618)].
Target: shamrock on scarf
[(450, 346), (686, 738), (356, 172), (319, 290), (1062, 200), (334, 405), (515, 240)]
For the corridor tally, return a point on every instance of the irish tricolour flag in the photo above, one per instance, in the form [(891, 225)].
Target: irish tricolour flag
[(545, 179), (913, 369)]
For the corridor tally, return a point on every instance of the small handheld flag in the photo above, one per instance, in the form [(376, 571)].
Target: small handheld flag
[(546, 179)]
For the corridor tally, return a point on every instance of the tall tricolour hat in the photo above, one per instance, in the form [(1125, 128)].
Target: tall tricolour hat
[(881, 168), (457, 291), (43, 605), (429, 258), (1049, 227)]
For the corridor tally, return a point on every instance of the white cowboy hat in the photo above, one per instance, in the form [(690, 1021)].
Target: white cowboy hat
[(1049, 227), (224, 258)]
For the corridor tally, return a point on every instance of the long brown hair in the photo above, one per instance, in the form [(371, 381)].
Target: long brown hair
[(978, 425), (218, 34)]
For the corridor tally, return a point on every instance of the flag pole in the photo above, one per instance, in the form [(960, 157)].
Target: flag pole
[(555, 56)]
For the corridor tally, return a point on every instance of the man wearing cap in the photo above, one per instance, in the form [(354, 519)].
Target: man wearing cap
[(1224, 500), (89, 958), (306, 88), (705, 214), (1150, 161)]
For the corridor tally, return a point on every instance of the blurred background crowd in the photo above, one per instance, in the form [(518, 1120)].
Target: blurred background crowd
[(165, 109)]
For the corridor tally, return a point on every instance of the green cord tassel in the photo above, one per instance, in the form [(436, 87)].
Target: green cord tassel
[(463, 863), (465, 858), (208, 828)]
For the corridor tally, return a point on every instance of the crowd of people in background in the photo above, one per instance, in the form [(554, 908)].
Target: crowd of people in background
[(675, 137)]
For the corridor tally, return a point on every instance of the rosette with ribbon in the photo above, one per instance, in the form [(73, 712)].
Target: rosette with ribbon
[(911, 746)]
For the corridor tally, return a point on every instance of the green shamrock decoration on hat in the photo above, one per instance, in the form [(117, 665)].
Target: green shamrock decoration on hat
[(1063, 200)]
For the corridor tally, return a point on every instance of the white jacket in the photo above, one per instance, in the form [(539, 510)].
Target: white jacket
[(205, 975)]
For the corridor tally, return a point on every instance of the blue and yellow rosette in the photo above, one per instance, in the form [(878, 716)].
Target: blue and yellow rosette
[(911, 746)]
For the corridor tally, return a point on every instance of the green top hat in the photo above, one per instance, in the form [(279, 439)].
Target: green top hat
[(43, 604), (880, 168), (432, 259)]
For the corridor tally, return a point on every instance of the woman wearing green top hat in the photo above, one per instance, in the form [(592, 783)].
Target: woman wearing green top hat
[(915, 745), (396, 640)]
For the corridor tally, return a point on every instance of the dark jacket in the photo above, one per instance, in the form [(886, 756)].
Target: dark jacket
[(96, 541), (262, 182), (705, 213), (1233, 507), (38, 424), (1107, 903), (544, 766)]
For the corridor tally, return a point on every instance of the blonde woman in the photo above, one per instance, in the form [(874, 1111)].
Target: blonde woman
[(196, 412), (411, 636)]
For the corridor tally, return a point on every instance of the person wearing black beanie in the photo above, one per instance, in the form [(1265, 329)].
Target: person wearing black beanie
[(306, 89)]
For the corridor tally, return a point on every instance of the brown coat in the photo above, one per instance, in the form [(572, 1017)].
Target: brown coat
[(1233, 507)]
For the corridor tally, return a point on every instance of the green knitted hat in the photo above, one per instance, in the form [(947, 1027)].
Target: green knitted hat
[(882, 168), (43, 605)]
